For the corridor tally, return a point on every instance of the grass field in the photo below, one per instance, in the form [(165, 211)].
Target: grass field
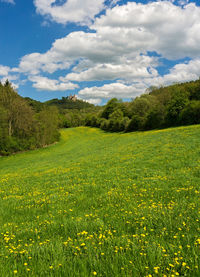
[(103, 204)]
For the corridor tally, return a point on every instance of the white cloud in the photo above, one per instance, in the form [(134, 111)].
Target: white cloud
[(118, 47), (84, 45), (78, 11), (8, 1), (6, 74), (139, 68), (94, 101), (182, 72), (125, 31), (170, 30), (44, 83), (108, 91), (11, 78), (183, 2), (123, 34), (4, 70), (36, 62)]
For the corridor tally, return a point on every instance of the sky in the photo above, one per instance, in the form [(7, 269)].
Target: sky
[(97, 49)]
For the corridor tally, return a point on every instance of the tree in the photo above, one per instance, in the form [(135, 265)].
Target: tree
[(22, 118), (116, 115), (3, 126), (155, 118), (142, 105), (124, 123), (110, 107), (104, 124), (190, 114), (178, 101), (136, 123), (47, 126), (7, 99)]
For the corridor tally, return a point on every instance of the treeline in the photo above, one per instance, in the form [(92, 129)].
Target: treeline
[(162, 107), (28, 124), (67, 103), (21, 126), (71, 113)]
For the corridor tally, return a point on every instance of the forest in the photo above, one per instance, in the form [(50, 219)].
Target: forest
[(29, 124), (21, 126), (163, 107)]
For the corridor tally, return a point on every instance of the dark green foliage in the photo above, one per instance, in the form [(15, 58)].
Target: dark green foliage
[(190, 114), (92, 120), (159, 107), (116, 115), (136, 123), (193, 88), (155, 118), (104, 124), (74, 112), (142, 105), (21, 127), (113, 115), (124, 123), (28, 124), (111, 106), (67, 103), (36, 105), (3, 128), (178, 101)]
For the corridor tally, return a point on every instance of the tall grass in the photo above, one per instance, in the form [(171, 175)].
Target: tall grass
[(103, 204)]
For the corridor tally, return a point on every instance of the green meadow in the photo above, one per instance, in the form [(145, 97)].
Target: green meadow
[(103, 204)]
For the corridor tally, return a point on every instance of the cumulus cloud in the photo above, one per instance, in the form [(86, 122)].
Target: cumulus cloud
[(94, 101), (118, 47), (183, 2), (78, 11), (170, 30), (36, 62), (4, 70), (11, 78), (108, 91), (44, 83), (124, 33), (140, 67), (180, 73), (6, 74)]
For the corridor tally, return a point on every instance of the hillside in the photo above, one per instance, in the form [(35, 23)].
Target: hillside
[(29, 124), (67, 103), (103, 204), (157, 108)]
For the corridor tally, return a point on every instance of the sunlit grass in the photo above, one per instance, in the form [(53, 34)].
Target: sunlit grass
[(103, 204)]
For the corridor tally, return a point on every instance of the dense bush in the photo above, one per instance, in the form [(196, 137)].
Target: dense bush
[(190, 114)]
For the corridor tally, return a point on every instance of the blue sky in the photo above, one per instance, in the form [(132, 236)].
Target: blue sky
[(97, 49)]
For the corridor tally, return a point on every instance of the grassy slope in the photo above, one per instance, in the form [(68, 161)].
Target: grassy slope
[(105, 204)]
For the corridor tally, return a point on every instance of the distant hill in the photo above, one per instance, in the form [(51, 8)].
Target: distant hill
[(36, 105), (69, 103), (191, 88)]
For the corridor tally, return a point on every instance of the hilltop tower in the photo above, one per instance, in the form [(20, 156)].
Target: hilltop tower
[(73, 98)]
